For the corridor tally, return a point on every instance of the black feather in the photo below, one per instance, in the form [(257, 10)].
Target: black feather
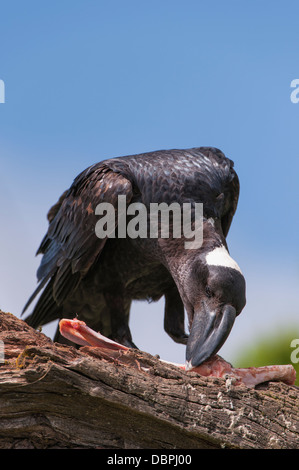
[(82, 273)]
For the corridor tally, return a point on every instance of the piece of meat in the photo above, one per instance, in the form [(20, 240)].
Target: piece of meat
[(251, 376), (78, 332)]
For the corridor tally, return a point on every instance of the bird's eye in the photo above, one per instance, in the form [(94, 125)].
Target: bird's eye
[(208, 292)]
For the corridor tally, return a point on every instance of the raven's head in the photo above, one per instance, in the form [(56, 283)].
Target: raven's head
[(214, 294)]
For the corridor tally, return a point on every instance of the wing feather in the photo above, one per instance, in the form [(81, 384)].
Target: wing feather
[(71, 246)]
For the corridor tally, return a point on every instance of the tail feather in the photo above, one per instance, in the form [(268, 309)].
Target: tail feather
[(46, 309), (65, 282), (37, 290)]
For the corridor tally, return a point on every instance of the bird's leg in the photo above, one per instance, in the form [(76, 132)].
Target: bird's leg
[(119, 314), (174, 316)]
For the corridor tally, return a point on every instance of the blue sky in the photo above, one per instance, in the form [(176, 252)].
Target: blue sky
[(88, 80)]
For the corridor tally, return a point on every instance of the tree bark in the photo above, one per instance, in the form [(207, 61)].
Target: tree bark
[(57, 396)]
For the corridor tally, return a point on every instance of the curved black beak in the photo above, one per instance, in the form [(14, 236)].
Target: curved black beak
[(209, 330)]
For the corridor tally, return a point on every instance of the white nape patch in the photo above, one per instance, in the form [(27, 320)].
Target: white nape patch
[(220, 257)]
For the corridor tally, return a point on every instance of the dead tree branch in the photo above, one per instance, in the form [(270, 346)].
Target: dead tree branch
[(55, 396)]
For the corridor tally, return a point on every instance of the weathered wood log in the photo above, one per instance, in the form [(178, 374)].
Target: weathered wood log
[(56, 396)]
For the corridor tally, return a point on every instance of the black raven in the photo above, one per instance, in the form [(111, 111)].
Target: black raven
[(98, 277)]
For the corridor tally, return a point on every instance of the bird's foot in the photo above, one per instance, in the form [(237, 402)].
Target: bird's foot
[(123, 336), (78, 332)]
